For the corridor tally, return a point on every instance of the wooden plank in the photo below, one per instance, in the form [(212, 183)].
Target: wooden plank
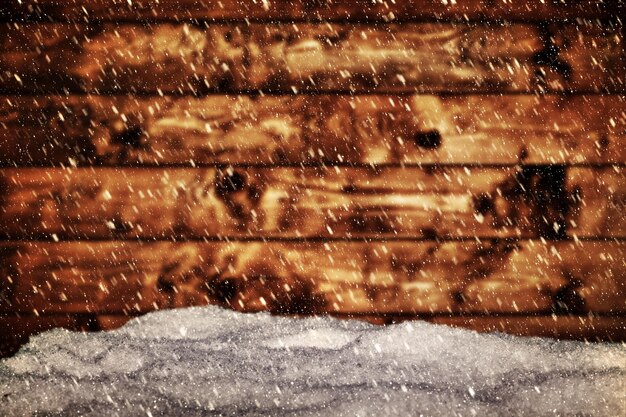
[(571, 54), (335, 202), (298, 277), (489, 129), (598, 201), (436, 57), (423, 57), (590, 328), (177, 58), (305, 9)]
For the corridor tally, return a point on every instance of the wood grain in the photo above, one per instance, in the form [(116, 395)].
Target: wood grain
[(195, 59), (598, 201), (105, 103), (436, 57), (126, 58), (333, 202), (382, 129), (342, 277), (305, 9)]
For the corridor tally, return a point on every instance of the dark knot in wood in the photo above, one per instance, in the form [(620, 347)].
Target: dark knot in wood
[(430, 139)]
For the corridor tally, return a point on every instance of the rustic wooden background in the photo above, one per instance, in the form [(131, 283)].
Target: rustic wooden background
[(463, 163)]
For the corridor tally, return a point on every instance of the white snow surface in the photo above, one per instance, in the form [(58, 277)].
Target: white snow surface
[(214, 362)]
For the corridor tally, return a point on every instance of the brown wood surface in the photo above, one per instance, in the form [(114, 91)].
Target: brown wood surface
[(343, 277), (423, 57), (306, 9), (531, 244), (435, 57), (599, 201), (381, 129), (126, 58), (288, 202)]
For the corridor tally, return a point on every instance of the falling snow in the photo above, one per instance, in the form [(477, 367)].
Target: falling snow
[(387, 159)]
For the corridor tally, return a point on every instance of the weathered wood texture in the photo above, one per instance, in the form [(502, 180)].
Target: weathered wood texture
[(598, 202), (343, 277), (126, 58), (271, 10), (489, 129), (434, 57), (311, 202), (465, 242), (183, 58)]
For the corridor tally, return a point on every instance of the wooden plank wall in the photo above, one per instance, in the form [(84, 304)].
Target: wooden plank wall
[(462, 163)]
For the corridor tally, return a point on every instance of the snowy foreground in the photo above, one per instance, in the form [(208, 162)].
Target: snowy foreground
[(211, 361)]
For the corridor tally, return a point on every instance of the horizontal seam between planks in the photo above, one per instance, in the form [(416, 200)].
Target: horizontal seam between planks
[(308, 165), (179, 239), (480, 19), (305, 92), (331, 93), (529, 314)]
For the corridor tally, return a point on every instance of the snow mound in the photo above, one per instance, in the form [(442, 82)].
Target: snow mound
[(210, 361)]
